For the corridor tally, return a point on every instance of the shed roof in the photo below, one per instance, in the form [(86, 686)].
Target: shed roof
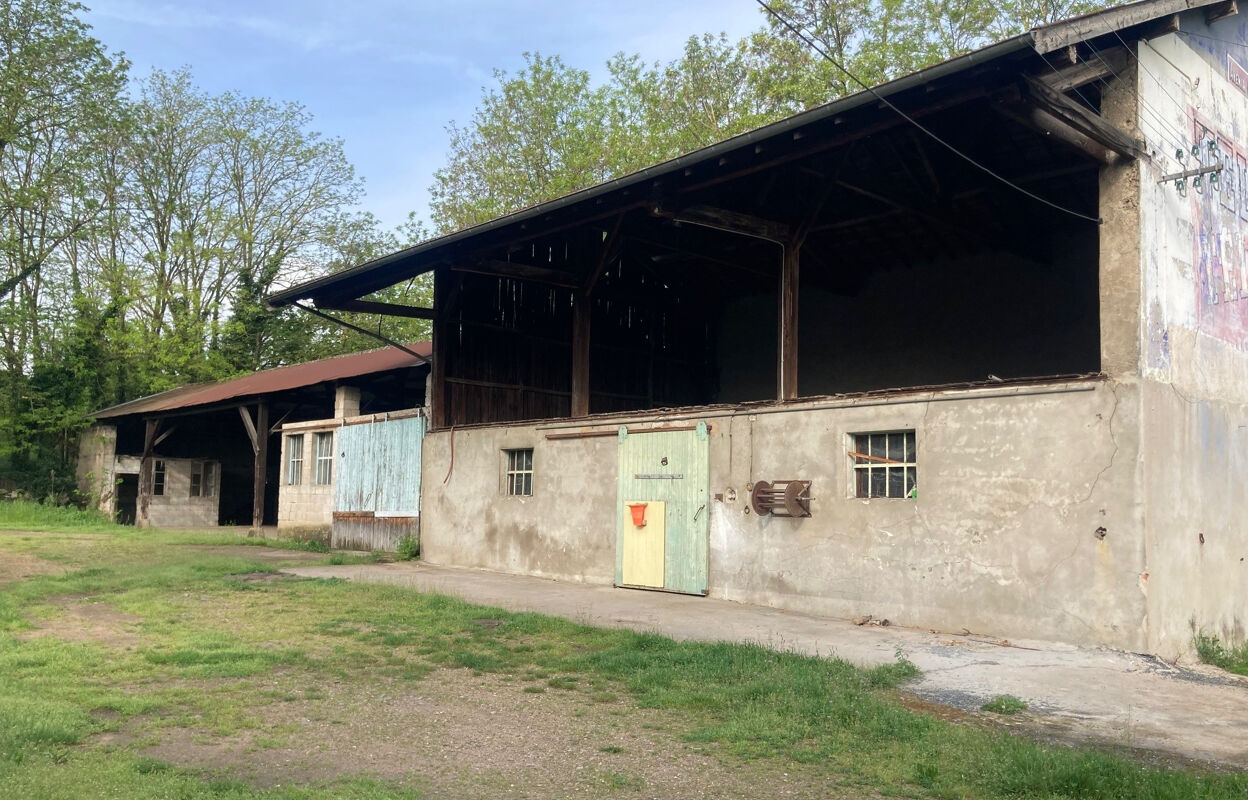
[(384, 271), (268, 381)]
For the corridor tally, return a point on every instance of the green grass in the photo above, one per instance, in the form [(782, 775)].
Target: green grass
[(1004, 704), (213, 650), (1212, 651), (23, 515)]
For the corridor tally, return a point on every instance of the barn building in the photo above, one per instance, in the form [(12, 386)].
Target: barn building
[(209, 454), (968, 350)]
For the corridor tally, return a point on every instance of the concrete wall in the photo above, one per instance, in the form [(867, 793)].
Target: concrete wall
[(176, 508), (97, 479), (1194, 334), (1014, 484), (305, 505)]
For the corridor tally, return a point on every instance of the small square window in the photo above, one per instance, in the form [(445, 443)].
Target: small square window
[(158, 478), (519, 475), (885, 465)]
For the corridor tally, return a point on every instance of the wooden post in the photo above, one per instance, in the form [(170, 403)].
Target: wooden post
[(146, 465), (581, 313), (439, 416), (786, 372), (262, 463)]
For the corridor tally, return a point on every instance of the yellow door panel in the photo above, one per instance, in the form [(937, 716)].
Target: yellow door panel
[(644, 547)]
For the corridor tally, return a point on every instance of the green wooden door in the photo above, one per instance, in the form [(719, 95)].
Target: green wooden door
[(668, 470)]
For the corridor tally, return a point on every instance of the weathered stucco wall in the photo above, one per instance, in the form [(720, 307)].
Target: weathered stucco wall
[(97, 478), (1014, 484), (1194, 360), (306, 504)]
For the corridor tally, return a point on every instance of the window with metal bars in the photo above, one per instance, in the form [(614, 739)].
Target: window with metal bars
[(325, 458), (519, 475), (885, 464), (294, 459)]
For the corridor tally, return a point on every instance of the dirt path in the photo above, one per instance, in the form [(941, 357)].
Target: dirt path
[(1120, 700), (456, 735)]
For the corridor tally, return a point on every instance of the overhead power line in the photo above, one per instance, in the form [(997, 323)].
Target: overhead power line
[(813, 45)]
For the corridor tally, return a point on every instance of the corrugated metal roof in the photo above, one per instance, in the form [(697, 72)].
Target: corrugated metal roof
[(272, 380)]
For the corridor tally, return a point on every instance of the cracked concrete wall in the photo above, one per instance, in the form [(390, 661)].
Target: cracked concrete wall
[(1002, 539), (176, 508), (1194, 334)]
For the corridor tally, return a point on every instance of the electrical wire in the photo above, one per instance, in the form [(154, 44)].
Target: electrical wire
[(801, 34)]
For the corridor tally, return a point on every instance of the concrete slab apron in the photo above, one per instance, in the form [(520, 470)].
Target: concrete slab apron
[(1120, 699)]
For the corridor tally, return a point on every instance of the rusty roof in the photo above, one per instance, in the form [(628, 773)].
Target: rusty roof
[(269, 381)]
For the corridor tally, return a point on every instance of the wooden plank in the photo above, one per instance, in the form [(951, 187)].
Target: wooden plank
[(1108, 62), (786, 361), (1083, 120), (164, 436), (582, 311), (1062, 34), (524, 272), (261, 465), (439, 414), (374, 307)]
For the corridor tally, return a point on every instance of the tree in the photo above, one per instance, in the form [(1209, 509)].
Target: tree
[(60, 107)]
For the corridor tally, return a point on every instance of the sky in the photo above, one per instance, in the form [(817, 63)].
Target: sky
[(386, 76)]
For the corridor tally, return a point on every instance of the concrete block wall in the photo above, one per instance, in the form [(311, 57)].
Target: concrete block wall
[(307, 504)]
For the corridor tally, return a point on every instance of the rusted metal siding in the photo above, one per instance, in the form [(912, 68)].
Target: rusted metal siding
[(377, 486)]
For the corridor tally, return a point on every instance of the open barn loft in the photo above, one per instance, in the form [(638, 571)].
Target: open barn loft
[(841, 250)]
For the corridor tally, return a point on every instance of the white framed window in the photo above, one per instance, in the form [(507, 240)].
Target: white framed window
[(518, 476), (203, 478), (885, 464), (294, 459), (158, 477), (324, 458)]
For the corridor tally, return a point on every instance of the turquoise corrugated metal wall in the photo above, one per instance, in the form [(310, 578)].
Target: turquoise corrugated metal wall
[(674, 467), (379, 467)]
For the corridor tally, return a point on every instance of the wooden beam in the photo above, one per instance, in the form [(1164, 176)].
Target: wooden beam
[(1108, 62), (525, 272), (142, 516), (164, 436), (251, 429), (375, 307), (731, 221), (510, 387), (1221, 11), (1048, 125), (261, 465), (582, 311), (1083, 120), (610, 249), (786, 376), (439, 414)]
